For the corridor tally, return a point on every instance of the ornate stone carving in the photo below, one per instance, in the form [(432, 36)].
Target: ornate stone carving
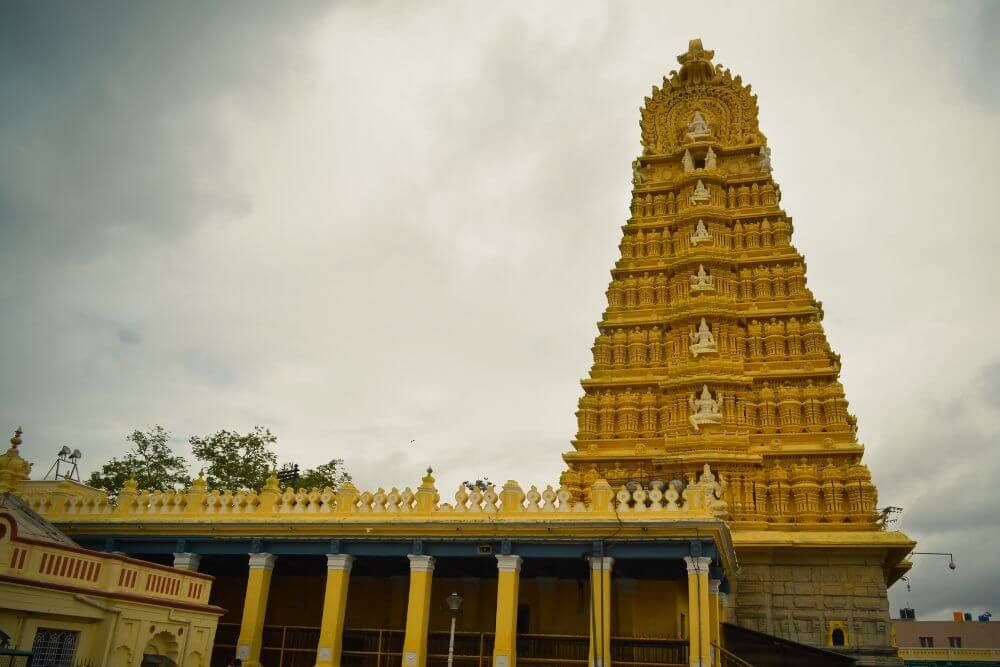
[(704, 408), (638, 175), (700, 234), (701, 281), (698, 128), (687, 161), (702, 340), (727, 107), (764, 159), (710, 159), (701, 193)]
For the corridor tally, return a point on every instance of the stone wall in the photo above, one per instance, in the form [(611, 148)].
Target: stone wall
[(801, 594)]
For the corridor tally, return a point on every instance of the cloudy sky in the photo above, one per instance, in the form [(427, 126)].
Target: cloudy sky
[(362, 224)]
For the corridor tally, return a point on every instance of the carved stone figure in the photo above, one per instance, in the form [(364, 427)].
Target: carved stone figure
[(710, 159), (687, 162), (702, 341), (705, 409), (638, 177), (700, 233), (697, 128), (701, 193), (701, 281), (764, 159)]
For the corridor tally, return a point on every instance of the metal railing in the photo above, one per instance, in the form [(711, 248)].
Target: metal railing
[(724, 658), (295, 646)]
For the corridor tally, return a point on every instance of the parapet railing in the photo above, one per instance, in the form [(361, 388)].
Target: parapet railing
[(699, 497), (102, 573), (948, 653)]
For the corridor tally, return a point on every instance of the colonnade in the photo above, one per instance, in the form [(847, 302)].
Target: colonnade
[(703, 609)]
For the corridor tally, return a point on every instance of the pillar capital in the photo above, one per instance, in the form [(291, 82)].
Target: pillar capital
[(601, 563), (187, 561), (339, 562), (262, 561), (713, 586), (698, 564), (508, 563), (421, 563)]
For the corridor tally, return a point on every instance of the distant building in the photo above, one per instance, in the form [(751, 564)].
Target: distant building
[(954, 643)]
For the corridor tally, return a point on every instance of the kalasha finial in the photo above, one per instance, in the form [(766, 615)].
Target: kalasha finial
[(15, 439), (695, 52), (696, 64)]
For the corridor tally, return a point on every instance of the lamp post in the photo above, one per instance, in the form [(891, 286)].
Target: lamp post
[(454, 602)]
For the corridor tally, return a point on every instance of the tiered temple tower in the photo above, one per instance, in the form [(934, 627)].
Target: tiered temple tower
[(712, 350)]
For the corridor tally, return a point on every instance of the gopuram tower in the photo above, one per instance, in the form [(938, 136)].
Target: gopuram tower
[(712, 351)]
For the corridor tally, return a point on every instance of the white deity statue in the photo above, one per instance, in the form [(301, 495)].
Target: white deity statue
[(701, 193), (704, 408), (688, 162), (698, 128), (700, 233), (764, 159), (710, 159), (701, 281), (702, 341), (638, 178)]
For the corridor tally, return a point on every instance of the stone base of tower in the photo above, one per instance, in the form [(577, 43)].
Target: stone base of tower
[(825, 596)]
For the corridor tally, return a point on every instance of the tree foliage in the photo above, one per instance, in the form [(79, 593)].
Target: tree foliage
[(232, 460), (236, 460), (331, 474), (150, 461)]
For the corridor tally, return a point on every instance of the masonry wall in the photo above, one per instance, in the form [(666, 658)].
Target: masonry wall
[(801, 594)]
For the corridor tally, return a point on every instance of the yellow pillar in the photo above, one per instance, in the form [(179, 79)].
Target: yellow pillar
[(509, 579), (600, 610), (714, 614), (418, 611), (700, 630), (254, 607), (331, 632)]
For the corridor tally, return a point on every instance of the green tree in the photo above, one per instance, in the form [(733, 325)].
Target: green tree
[(330, 474), (236, 460), (150, 461)]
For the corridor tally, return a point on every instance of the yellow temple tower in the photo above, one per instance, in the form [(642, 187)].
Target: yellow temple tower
[(712, 350)]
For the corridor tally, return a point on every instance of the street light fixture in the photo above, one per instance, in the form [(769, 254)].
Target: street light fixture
[(454, 603), (951, 557)]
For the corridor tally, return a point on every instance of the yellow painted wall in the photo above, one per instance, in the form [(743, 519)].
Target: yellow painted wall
[(113, 632)]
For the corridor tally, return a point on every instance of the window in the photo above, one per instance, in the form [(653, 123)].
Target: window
[(837, 637), (926, 642), (54, 648), (955, 642)]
